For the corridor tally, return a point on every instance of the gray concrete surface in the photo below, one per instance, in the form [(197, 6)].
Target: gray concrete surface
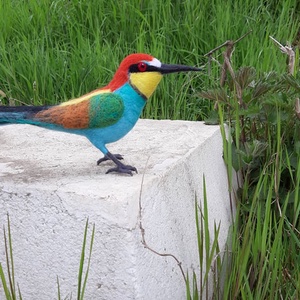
[(50, 184)]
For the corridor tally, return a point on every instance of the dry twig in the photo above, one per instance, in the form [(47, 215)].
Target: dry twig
[(227, 64), (288, 50)]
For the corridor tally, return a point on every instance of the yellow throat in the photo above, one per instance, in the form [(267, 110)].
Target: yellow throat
[(146, 82)]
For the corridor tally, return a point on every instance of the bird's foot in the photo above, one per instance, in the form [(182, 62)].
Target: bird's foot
[(106, 157), (120, 168), (123, 169)]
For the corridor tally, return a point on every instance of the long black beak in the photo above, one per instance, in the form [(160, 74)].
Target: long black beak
[(167, 69)]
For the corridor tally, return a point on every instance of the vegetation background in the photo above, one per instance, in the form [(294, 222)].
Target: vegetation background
[(51, 51), (54, 50)]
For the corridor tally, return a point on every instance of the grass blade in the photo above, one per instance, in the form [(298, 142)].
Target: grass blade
[(4, 284), (89, 262), (80, 273)]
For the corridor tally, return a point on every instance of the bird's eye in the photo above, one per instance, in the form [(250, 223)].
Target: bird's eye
[(142, 66)]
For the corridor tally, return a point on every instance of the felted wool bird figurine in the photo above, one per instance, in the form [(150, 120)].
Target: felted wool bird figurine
[(106, 114)]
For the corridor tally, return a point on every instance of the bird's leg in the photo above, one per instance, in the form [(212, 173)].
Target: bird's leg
[(120, 168), (105, 158)]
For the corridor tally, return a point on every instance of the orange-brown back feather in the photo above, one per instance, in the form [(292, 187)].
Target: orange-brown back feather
[(74, 116)]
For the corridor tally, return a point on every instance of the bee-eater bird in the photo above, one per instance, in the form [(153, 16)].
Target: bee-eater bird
[(106, 114)]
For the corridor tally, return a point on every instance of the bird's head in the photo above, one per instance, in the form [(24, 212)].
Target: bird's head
[(144, 73)]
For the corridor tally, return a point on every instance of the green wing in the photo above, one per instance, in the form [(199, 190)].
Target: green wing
[(105, 110)]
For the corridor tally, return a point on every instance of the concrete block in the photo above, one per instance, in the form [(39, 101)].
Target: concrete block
[(50, 184)]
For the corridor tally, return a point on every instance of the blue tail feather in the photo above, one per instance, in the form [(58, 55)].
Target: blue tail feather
[(19, 114)]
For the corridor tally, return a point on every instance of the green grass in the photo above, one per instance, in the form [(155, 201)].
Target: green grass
[(51, 51), (8, 281), (264, 148)]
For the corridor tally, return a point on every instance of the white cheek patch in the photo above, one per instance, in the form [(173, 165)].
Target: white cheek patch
[(154, 62)]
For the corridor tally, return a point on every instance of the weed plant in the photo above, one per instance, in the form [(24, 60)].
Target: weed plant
[(263, 114)]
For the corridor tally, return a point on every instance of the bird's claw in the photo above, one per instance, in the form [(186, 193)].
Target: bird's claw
[(123, 169), (120, 168), (105, 158)]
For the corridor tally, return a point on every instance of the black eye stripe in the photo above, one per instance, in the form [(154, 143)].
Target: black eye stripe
[(148, 68)]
